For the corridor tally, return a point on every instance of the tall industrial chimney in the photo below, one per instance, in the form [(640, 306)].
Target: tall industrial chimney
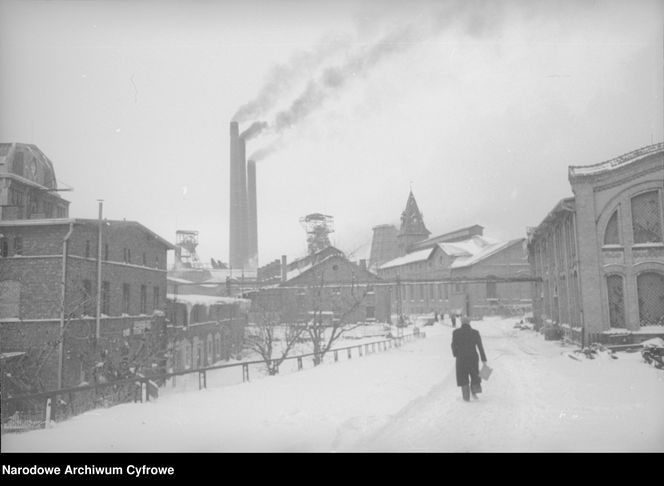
[(244, 206), (237, 191), (252, 219)]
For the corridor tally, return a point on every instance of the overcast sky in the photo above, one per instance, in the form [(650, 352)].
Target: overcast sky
[(478, 106)]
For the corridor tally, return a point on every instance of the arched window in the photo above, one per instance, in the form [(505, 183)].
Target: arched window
[(650, 288), (611, 234), (614, 284), (646, 218)]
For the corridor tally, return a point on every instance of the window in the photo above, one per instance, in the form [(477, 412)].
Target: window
[(126, 253), (156, 262), (87, 248), (144, 299), (614, 285), (88, 298), (106, 251), (18, 245), (611, 234), (4, 248), (646, 218), (125, 298), (371, 311), (650, 289), (491, 290), (155, 298), (106, 298), (145, 260)]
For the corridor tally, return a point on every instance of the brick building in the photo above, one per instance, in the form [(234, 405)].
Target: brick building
[(325, 281), (48, 286), (464, 255), (28, 188), (600, 254)]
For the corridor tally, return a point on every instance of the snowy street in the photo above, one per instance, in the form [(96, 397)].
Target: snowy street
[(404, 399)]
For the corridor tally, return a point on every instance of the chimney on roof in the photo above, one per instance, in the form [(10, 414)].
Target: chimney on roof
[(284, 268)]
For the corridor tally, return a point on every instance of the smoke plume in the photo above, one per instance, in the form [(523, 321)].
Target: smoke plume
[(254, 129), (283, 76), (334, 79)]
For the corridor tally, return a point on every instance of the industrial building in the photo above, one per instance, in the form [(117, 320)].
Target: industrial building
[(323, 281), (600, 253), (460, 272)]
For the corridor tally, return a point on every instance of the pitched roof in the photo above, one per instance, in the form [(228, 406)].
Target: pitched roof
[(483, 253), (85, 221), (416, 256)]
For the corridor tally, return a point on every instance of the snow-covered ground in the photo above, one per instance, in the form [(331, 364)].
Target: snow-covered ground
[(404, 399)]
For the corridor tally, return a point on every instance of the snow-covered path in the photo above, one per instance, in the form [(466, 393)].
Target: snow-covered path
[(404, 399), (537, 400)]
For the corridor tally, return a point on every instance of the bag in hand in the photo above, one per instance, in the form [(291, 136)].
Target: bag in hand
[(486, 371)]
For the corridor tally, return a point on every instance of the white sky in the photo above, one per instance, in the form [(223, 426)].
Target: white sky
[(482, 110)]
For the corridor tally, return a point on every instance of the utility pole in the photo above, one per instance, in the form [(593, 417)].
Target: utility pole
[(99, 255)]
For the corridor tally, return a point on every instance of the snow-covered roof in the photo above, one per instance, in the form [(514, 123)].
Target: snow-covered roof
[(468, 247), (483, 253), (11, 354), (416, 256), (179, 280)]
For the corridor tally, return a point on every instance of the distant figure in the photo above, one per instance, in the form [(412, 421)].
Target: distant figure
[(465, 343), (453, 318)]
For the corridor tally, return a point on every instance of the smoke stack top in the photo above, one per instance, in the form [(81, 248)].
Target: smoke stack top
[(235, 129)]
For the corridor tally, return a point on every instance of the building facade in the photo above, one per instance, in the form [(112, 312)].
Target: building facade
[(28, 188), (601, 253), (49, 297), (204, 329), (325, 281), (483, 276)]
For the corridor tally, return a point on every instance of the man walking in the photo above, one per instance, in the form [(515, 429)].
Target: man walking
[(465, 343)]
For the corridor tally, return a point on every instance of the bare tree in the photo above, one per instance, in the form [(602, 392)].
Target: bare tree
[(270, 335), (331, 313)]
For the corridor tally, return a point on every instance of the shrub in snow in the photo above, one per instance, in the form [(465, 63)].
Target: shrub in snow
[(653, 352), (595, 350)]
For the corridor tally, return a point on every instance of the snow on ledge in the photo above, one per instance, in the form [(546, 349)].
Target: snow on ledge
[(650, 330)]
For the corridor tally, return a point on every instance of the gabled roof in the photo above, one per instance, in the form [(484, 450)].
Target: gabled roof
[(299, 271)]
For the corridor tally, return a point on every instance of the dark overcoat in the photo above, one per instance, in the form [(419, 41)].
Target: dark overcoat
[(465, 343)]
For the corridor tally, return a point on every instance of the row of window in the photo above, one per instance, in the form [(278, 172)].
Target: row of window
[(126, 255), (88, 302), (646, 215), (15, 247)]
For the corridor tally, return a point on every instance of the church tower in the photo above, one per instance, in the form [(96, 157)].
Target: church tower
[(412, 226)]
